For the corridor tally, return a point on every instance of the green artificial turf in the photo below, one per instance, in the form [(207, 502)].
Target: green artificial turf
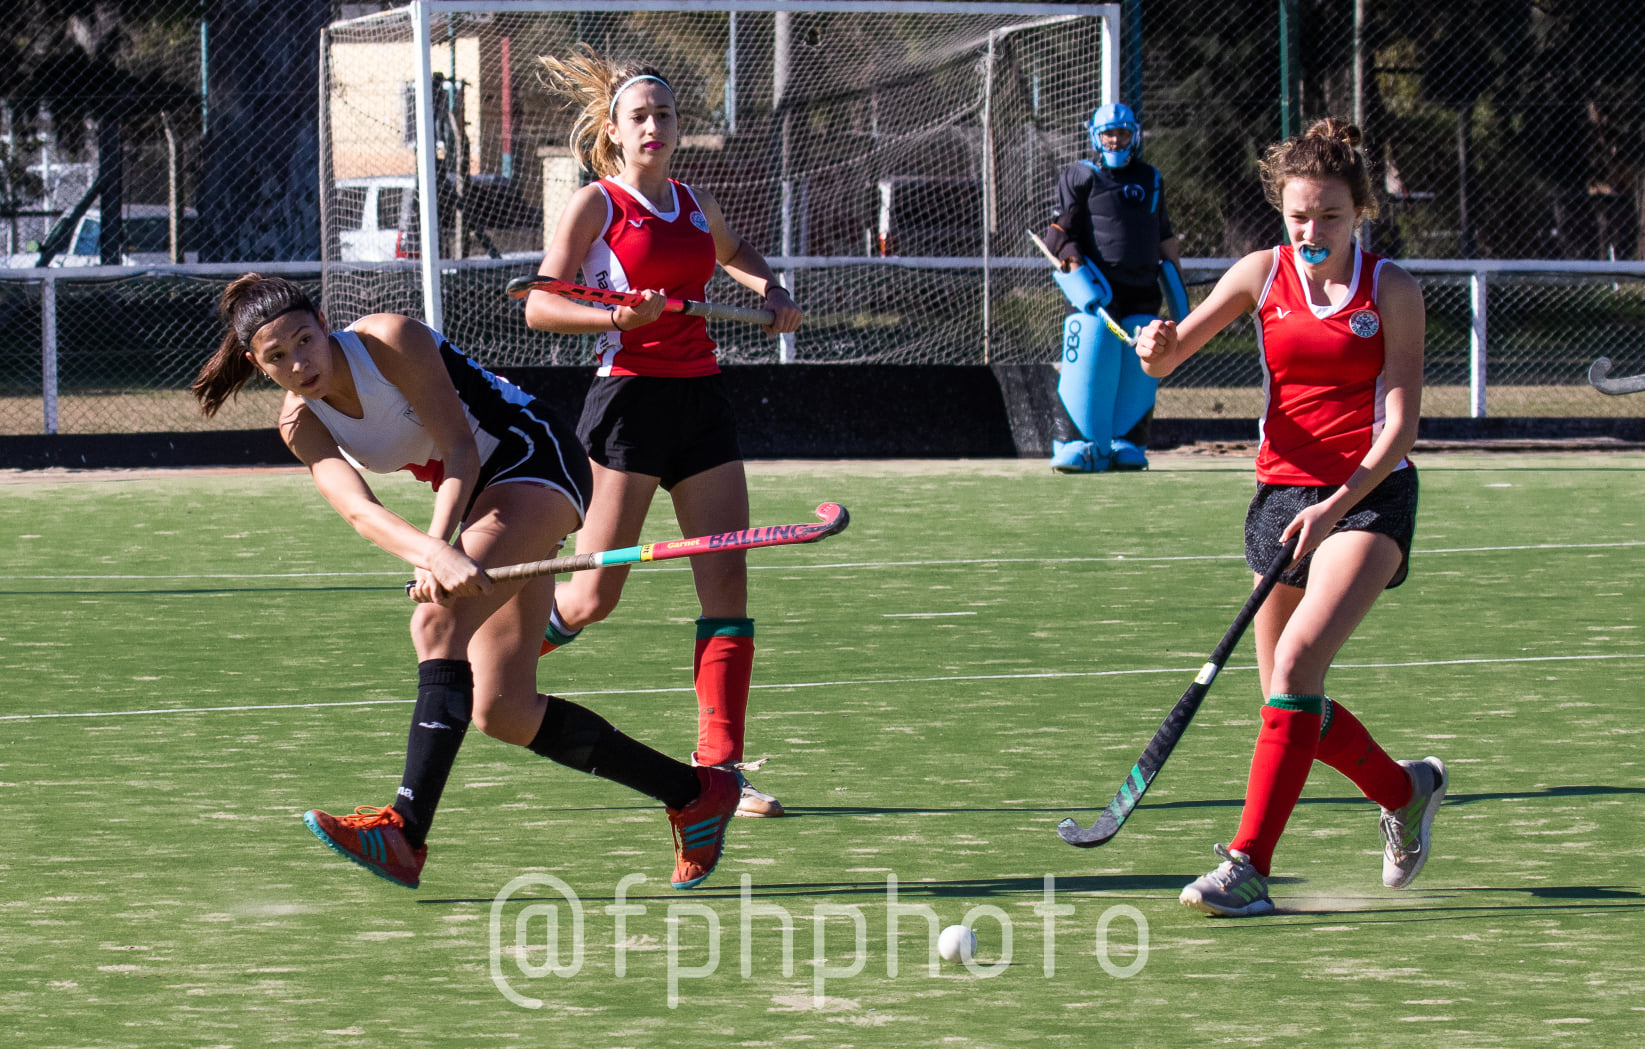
[(191, 661)]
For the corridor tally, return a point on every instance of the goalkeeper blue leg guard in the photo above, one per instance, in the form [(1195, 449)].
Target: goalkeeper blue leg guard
[(1134, 396), (1091, 358)]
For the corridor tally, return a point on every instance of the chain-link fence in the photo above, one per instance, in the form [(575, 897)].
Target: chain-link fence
[(135, 132)]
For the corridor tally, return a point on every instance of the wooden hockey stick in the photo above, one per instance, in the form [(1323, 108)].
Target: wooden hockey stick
[(1102, 314), (1599, 375), (520, 287), (1176, 723), (834, 519)]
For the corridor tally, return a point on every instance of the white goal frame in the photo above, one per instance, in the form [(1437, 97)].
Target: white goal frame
[(423, 12)]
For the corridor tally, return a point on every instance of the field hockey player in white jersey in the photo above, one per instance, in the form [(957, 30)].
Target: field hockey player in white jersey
[(1340, 337), (656, 413), (510, 482)]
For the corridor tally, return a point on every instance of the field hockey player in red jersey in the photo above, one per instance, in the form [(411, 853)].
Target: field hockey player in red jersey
[(1340, 336), (510, 482), (656, 413)]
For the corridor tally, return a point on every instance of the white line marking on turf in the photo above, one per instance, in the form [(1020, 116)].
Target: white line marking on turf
[(1042, 675), (1113, 559), (922, 615)]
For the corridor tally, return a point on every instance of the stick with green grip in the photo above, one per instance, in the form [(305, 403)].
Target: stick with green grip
[(1176, 723)]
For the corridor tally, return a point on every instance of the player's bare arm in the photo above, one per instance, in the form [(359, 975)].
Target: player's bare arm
[(748, 267), (581, 224), (1164, 345)]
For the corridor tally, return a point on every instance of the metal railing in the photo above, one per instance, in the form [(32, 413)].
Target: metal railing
[(1553, 318)]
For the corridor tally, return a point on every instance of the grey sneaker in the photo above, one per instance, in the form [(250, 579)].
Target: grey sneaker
[(1405, 831), (755, 802), (1233, 890)]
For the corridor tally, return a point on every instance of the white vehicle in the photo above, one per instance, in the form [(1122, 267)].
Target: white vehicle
[(147, 237), (377, 218), (373, 216)]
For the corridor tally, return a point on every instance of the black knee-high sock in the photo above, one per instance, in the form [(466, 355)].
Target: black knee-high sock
[(578, 738), (445, 705)]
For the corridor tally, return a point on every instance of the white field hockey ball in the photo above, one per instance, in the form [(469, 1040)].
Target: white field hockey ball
[(957, 944)]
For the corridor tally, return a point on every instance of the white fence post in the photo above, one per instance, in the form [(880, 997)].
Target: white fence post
[(428, 208), (1476, 344), (48, 349)]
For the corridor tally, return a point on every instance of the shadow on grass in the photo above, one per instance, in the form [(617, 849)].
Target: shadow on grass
[(197, 591), (1584, 791), (794, 812), (966, 888), (1436, 905)]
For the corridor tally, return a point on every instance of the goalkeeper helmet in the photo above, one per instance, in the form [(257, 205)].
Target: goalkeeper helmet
[(1114, 117)]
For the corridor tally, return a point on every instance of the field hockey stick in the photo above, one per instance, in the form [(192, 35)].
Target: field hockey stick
[(1599, 376), (520, 287), (834, 518), (1102, 314), (1176, 723)]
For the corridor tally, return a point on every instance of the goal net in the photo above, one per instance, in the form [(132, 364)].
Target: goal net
[(887, 157)]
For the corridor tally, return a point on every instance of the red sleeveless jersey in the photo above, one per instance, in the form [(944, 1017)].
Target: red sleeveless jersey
[(1323, 386), (644, 248)]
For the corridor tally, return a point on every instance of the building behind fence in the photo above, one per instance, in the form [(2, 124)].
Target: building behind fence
[(889, 161)]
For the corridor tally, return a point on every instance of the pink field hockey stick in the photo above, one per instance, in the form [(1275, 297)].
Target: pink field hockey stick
[(833, 519), (520, 287)]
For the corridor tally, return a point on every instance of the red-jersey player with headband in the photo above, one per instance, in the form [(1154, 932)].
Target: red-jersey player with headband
[(1340, 336), (656, 413)]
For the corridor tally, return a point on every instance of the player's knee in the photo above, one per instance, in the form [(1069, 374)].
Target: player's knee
[(433, 629), (579, 609), (1299, 668)]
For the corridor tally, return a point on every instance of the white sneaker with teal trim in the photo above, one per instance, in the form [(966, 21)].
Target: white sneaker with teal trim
[(1233, 890), (1406, 833)]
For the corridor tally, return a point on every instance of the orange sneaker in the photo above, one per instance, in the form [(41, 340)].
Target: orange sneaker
[(375, 839), (699, 828)]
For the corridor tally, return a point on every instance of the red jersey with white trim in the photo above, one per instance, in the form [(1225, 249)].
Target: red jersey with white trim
[(644, 248), (1324, 388)]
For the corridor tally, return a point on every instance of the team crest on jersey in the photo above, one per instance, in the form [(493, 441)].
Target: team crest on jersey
[(1364, 323), (699, 220)]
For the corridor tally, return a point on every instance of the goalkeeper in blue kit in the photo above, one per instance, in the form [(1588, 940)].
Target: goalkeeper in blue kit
[(1117, 252)]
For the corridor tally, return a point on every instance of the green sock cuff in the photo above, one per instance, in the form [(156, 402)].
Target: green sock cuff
[(1302, 704), (556, 634), (709, 626)]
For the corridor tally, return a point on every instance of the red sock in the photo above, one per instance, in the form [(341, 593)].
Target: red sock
[(1279, 768), (1348, 748), (723, 666)]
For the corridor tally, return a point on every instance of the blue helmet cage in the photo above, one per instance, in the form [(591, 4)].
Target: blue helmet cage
[(1114, 117)]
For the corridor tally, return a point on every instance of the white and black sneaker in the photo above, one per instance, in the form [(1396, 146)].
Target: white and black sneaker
[(754, 801), (1406, 831), (1233, 890)]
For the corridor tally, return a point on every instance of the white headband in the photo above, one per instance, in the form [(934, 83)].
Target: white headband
[(630, 82)]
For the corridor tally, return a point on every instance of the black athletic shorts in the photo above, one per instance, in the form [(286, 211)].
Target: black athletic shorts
[(1389, 509), (671, 429), (538, 447)]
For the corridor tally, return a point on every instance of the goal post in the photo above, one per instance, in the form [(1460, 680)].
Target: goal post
[(885, 156)]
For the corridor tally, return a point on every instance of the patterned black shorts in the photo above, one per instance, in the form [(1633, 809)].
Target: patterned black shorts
[(1389, 509)]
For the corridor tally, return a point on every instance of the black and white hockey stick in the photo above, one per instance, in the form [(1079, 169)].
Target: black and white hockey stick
[(1176, 723), (1599, 375)]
